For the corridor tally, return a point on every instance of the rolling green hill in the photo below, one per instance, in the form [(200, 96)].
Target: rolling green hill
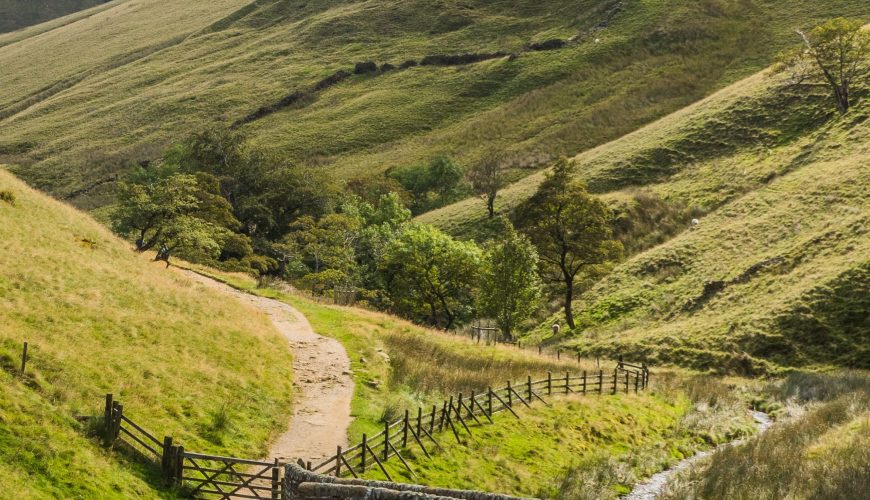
[(84, 99), (101, 319), (17, 14), (774, 275)]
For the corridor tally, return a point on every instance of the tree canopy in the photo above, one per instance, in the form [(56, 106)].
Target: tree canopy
[(430, 277)]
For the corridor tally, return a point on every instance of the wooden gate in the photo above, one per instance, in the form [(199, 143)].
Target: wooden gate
[(210, 476)]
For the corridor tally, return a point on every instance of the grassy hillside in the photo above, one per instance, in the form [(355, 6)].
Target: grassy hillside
[(83, 100), (101, 319), (775, 274), (17, 14)]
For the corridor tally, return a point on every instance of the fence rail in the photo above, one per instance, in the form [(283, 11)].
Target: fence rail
[(458, 415)]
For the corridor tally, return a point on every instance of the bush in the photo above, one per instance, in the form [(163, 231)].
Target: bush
[(365, 68), (7, 196)]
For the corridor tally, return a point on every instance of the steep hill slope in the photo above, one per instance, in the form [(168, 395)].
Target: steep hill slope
[(776, 272), (84, 100), (101, 319), (17, 14)]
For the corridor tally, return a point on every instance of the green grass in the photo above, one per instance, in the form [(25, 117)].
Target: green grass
[(81, 101), (101, 319), (397, 365)]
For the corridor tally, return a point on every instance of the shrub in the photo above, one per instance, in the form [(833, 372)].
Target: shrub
[(364, 68), (7, 196)]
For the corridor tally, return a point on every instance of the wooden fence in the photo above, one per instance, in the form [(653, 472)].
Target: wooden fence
[(196, 475), (458, 414), (211, 476)]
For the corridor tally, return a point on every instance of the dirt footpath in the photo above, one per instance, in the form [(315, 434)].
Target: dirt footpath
[(321, 373)]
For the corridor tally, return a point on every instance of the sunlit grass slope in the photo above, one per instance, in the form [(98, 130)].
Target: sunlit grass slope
[(184, 361), (776, 273), (85, 99)]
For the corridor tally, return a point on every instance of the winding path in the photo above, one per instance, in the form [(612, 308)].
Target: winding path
[(654, 486), (321, 373)]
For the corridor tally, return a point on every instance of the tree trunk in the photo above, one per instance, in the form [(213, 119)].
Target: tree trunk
[(569, 298), (490, 205), (841, 94)]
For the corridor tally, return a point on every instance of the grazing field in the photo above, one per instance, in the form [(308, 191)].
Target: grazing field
[(100, 319), (81, 103)]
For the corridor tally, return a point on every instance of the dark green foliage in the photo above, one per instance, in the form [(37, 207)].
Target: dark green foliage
[(510, 285), (431, 185), (430, 277), (266, 195)]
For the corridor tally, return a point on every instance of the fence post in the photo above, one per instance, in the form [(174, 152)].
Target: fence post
[(645, 372), (614, 380), (529, 386), (107, 420), (338, 461), (549, 383), (276, 481), (600, 381), (179, 464), (626, 382), (432, 422), (567, 382), (510, 395), (578, 358), (419, 420), (584, 382), (23, 359), (558, 354), (636, 382), (116, 422), (165, 459), (489, 400), (405, 430), (471, 405), (363, 455), (386, 440)]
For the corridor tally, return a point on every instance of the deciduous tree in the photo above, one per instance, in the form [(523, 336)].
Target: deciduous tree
[(487, 177), (511, 287), (430, 276), (570, 229), (835, 53)]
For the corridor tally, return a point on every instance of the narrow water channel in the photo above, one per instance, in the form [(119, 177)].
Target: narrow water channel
[(653, 487)]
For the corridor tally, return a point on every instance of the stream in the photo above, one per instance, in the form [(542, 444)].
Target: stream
[(651, 488)]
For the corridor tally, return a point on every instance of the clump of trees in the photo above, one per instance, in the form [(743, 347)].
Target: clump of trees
[(833, 54), (213, 199)]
